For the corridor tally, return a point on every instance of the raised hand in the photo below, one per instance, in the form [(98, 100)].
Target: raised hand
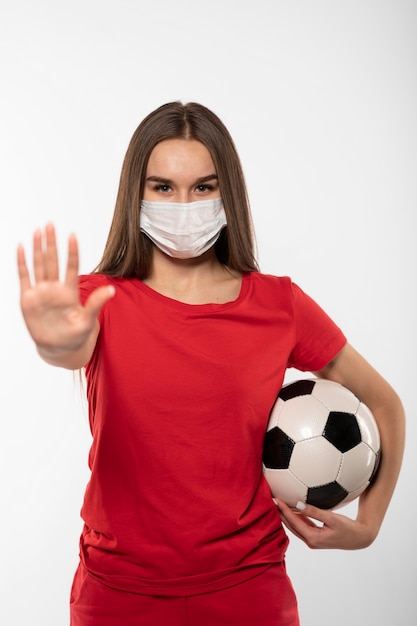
[(63, 330)]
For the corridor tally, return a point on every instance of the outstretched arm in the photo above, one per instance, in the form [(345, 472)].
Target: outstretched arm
[(350, 369), (64, 331)]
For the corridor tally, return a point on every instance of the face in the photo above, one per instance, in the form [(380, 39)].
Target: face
[(180, 170)]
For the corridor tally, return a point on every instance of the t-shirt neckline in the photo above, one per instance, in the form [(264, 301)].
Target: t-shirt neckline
[(167, 300)]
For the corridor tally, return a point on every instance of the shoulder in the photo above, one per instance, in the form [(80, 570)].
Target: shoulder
[(269, 283), (278, 284), (271, 292), (87, 283), (269, 280), (94, 280)]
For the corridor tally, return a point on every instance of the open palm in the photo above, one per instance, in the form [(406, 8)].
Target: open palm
[(51, 307)]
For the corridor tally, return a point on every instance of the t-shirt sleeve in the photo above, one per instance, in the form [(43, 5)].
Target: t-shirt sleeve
[(317, 338)]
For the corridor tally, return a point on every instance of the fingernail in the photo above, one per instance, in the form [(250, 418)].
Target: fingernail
[(300, 506)]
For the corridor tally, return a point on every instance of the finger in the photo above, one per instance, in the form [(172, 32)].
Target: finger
[(280, 503), (298, 526), (303, 514), (71, 276), (22, 268), (38, 260), (300, 521), (321, 515), (51, 254), (293, 530), (98, 299)]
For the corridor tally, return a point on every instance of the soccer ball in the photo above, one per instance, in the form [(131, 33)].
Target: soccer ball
[(322, 445)]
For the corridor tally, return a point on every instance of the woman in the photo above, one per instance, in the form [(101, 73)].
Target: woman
[(185, 345)]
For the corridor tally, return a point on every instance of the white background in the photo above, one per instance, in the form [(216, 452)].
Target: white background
[(321, 99)]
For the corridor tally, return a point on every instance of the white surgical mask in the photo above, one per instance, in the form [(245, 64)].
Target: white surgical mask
[(183, 230)]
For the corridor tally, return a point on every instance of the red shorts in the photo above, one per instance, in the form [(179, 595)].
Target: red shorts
[(268, 599)]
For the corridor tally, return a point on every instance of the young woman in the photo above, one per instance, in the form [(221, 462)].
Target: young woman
[(185, 345)]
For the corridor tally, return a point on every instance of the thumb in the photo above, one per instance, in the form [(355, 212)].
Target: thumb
[(98, 299)]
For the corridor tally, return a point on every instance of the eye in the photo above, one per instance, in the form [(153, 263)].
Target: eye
[(162, 188), (204, 188)]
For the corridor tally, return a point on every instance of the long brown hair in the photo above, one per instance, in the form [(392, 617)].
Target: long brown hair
[(128, 252)]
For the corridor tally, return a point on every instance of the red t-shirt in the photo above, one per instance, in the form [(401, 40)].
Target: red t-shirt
[(179, 398)]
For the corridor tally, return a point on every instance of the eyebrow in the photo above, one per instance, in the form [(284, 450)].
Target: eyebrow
[(167, 181)]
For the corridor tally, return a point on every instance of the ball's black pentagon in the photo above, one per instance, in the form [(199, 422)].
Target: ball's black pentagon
[(342, 430), (297, 388), (326, 496), (277, 450)]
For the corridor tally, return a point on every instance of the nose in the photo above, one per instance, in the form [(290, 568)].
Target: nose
[(184, 196)]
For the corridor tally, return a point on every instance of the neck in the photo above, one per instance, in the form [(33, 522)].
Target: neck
[(196, 281), (172, 271)]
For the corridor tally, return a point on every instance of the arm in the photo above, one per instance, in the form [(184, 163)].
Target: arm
[(64, 331), (350, 369)]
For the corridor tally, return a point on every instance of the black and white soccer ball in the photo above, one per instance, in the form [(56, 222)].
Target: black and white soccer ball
[(322, 445)]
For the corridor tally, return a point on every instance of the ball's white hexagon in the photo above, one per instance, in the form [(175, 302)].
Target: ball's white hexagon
[(368, 427), (352, 496), (335, 397), (298, 429), (357, 467), (284, 485), (307, 465)]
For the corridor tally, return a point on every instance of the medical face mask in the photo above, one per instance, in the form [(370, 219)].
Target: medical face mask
[(183, 230)]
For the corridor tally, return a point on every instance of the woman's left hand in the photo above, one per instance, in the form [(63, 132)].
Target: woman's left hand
[(326, 529), (333, 530)]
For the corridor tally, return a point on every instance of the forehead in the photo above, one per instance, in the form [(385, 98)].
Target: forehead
[(180, 156)]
